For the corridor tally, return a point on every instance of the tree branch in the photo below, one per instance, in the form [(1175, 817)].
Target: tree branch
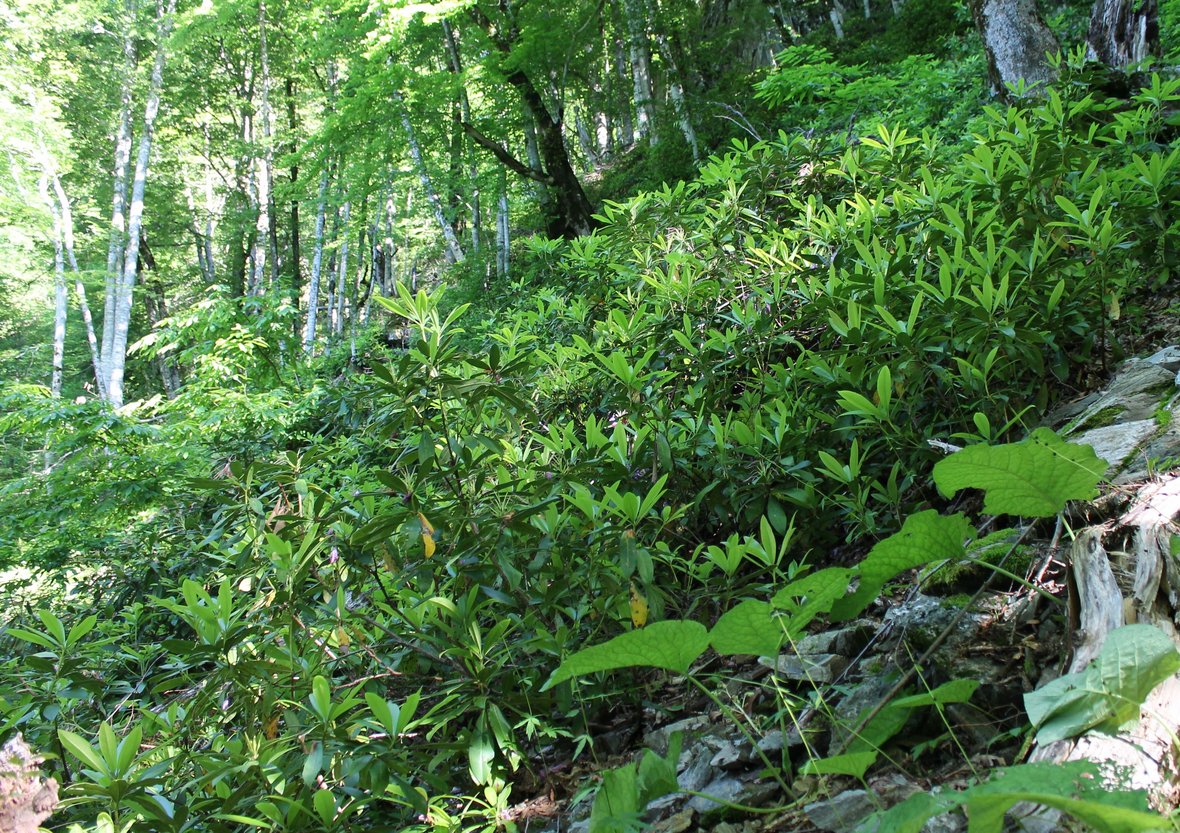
[(506, 158)]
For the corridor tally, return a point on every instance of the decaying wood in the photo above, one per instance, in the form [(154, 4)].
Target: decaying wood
[(1143, 753), (26, 799)]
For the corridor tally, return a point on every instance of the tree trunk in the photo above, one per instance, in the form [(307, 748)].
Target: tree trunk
[(1123, 32), (265, 233), (627, 127), (635, 23), (837, 17), (676, 93), (67, 227), (337, 317), (453, 249), (1016, 41), (293, 127), (118, 232), (60, 295), (124, 295), (502, 236), (317, 261), (456, 64)]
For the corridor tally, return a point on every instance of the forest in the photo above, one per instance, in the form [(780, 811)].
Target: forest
[(429, 416)]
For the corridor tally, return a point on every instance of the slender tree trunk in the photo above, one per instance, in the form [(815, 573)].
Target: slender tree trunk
[(635, 22), (126, 288), (868, 10), (317, 261), (1123, 32), (156, 306), (211, 210), (452, 247), (293, 128), (118, 232), (456, 64), (676, 93), (341, 270), (1016, 41), (390, 249), (265, 235), (60, 294), (67, 237), (627, 126), (836, 14), (502, 236)]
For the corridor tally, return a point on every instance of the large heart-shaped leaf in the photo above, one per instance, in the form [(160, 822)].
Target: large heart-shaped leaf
[(671, 644), (1034, 478), (923, 538), (749, 628)]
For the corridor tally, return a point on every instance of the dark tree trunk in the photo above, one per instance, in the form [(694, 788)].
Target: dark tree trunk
[(1123, 32), (1016, 41)]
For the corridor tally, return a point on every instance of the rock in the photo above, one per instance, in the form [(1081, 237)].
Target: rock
[(847, 641), (699, 771), (693, 728), (946, 823), (863, 696), (26, 799), (1168, 358), (661, 807), (731, 756), (923, 618), (676, 823), (819, 668), (726, 788), (841, 813), (1117, 443)]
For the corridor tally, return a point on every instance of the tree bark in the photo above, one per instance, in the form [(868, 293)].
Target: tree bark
[(124, 295), (60, 295), (118, 231), (296, 255), (265, 234), (456, 64), (452, 247), (1123, 32), (639, 47), (67, 236), (1016, 41), (317, 261)]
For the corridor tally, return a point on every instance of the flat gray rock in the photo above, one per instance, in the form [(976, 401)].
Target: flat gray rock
[(841, 813), (1116, 443)]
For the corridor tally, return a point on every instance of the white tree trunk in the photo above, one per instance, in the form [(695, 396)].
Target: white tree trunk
[(836, 13), (67, 237), (317, 263), (118, 231), (452, 247), (1016, 40), (502, 236), (635, 19), (676, 93), (265, 252), (627, 128), (60, 295), (341, 270), (126, 287), (1123, 32)]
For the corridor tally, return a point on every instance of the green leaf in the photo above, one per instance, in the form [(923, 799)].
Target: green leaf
[(855, 764), (1107, 694), (82, 750), (924, 537), (955, 691), (616, 806), (657, 774), (808, 597), (1034, 478), (749, 628), (325, 806), (1077, 788), (671, 644), (313, 763)]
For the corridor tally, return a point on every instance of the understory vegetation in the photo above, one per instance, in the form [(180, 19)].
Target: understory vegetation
[(333, 593)]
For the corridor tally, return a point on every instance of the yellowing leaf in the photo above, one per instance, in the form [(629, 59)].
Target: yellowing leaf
[(638, 607), (342, 637), (427, 535), (272, 727)]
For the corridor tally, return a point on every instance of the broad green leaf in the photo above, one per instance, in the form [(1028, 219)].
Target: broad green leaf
[(657, 774), (855, 764), (1076, 788), (616, 806), (955, 691), (671, 644), (1107, 694), (924, 537), (1034, 478), (82, 750), (313, 763), (749, 628), (325, 806), (811, 595)]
